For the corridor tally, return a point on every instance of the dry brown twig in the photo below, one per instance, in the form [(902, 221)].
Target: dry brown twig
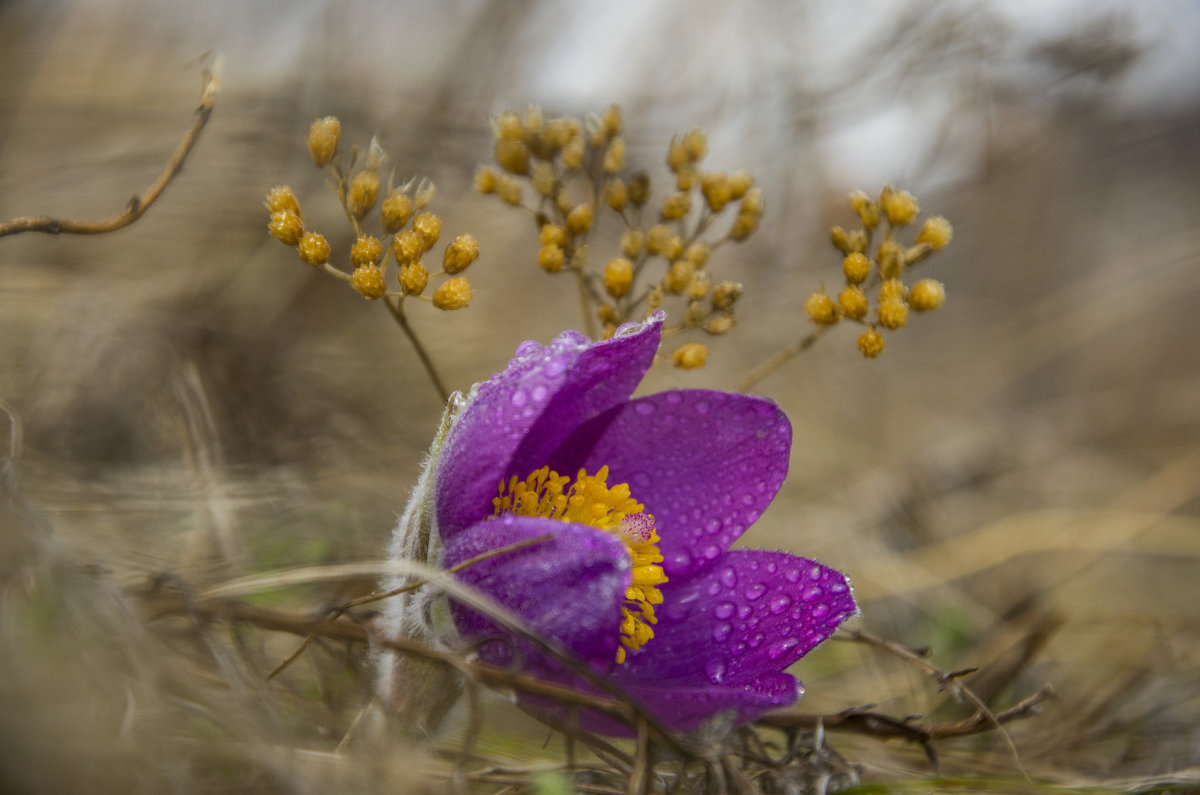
[(137, 205)]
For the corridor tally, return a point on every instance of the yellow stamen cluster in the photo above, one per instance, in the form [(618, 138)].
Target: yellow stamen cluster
[(576, 169), (409, 231), (589, 500), (882, 272)]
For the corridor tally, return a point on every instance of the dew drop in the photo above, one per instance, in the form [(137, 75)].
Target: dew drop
[(755, 591), (539, 393), (527, 350), (820, 611), (756, 640), (792, 575), (729, 577), (721, 632), (712, 552), (518, 398), (815, 572), (674, 398), (744, 611), (644, 407), (725, 610), (641, 479), (712, 526), (555, 367), (737, 649), (772, 567), (747, 499), (780, 604), (781, 647), (714, 669), (838, 587), (810, 593), (714, 588), (702, 406)]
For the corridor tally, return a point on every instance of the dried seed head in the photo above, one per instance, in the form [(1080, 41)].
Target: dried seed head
[(632, 242), (485, 180), (395, 211), (893, 290), (618, 277), (686, 177), (743, 226), (428, 227), (678, 276), (413, 278), (927, 295), (870, 343), (699, 285), (690, 355), (508, 189), (323, 137), (367, 250), (937, 232), (460, 253), (868, 210), (614, 157), (508, 127), (512, 156), (454, 293), (893, 314), (853, 302), (368, 282), (424, 193), (721, 324), (579, 220), (753, 202), (900, 207), (551, 257), (364, 190), (890, 257), (740, 182), (543, 178), (639, 188), (695, 144), (314, 249), (286, 227), (281, 198), (612, 121), (607, 313), (552, 235), (726, 294), (407, 247), (857, 267), (716, 189), (616, 195), (821, 309), (697, 254), (676, 206)]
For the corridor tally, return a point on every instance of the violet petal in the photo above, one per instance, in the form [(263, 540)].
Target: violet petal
[(685, 707), (706, 464), (525, 412), (569, 588)]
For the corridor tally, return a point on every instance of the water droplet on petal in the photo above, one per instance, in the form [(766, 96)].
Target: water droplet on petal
[(811, 593), (792, 575), (755, 591), (820, 611), (781, 647), (527, 350), (729, 577), (674, 398), (744, 611), (838, 587), (713, 526), (737, 649), (714, 669), (641, 479), (772, 567), (702, 406), (780, 603), (644, 407), (714, 588), (722, 632), (815, 572), (725, 610), (756, 640), (539, 393), (712, 552)]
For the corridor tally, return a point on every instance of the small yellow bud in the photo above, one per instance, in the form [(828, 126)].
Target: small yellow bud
[(857, 240), (857, 267), (395, 211), (286, 227), (485, 180), (890, 257), (508, 189), (323, 137), (677, 156), (428, 227), (853, 302), (687, 177), (612, 120), (314, 249), (695, 314), (639, 188), (552, 235), (368, 282), (937, 232), (743, 226), (614, 158), (367, 250), (281, 198), (676, 206), (739, 183), (607, 313), (557, 133), (726, 294), (821, 309), (695, 144), (616, 195), (460, 253), (413, 278), (899, 207), (632, 242), (690, 355), (870, 342), (840, 240), (406, 247), (697, 254), (618, 277), (893, 290), (579, 220), (716, 190), (572, 154), (699, 285), (721, 324), (364, 190), (534, 119), (893, 314), (657, 238), (508, 127), (543, 179), (452, 294), (424, 194), (551, 258), (563, 203), (678, 276), (927, 295), (868, 211), (655, 299), (512, 156), (753, 202), (673, 247)]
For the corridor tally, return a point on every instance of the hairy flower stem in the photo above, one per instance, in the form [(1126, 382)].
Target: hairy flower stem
[(585, 304), (397, 311)]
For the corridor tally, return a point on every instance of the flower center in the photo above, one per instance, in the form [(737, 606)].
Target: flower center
[(590, 501)]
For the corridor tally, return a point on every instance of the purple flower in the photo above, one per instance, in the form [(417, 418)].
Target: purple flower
[(641, 499)]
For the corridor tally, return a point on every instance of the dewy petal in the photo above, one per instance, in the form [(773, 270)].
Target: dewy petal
[(684, 708), (520, 415), (752, 614), (706, 464), (569, 588)]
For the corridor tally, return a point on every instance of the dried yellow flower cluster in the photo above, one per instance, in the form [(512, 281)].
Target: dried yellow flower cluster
[(567, 170), (882, 273), (409, 231)]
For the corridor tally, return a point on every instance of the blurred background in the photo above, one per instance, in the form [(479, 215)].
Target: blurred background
[(1014, 483)]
